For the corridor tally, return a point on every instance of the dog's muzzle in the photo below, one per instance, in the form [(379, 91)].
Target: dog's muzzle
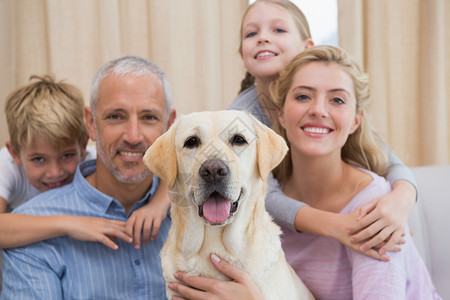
[(217, 208)]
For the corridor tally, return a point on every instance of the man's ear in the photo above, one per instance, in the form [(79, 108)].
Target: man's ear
[(172, 117), (89, 119), (14, 153)]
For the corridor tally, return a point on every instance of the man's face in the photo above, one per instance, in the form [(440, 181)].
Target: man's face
[(130, 114)]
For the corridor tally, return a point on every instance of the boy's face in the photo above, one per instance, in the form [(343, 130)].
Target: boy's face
[(46, 167)]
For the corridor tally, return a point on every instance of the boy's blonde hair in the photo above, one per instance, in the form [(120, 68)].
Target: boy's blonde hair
[(364, 147), (300, 22), (45, 109)]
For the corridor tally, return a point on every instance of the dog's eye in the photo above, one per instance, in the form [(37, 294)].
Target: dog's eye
[(238, 140), (191, 142)]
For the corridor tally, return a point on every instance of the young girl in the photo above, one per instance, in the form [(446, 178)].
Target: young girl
[(272, 33), (322, 97)]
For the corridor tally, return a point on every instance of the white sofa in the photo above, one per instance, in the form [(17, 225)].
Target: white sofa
[(428, 223)]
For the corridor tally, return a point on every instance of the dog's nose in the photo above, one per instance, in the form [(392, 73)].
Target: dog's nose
[(214, 170)]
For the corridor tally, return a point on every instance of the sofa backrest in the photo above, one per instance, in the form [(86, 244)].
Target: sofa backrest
[(429, 223)]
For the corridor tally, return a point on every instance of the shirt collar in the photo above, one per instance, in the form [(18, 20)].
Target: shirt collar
[(99, 200)]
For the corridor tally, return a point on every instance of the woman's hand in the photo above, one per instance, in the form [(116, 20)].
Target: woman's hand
[(241, 285)]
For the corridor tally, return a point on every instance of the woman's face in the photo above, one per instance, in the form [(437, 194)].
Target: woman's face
[(270, 40), (320, 110)]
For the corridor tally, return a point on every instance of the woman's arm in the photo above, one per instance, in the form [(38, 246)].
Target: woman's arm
[(382, 221), (375, 280), (241, 285)]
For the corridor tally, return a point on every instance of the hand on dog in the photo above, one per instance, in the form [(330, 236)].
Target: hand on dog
[(148, 218), (200, 288)]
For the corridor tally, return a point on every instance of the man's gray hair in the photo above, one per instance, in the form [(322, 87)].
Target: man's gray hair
[(134, 65)]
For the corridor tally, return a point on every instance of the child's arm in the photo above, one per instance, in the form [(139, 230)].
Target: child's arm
[(17, 230), (301, 217), (337, 226), (148, 218), (3, 205), (333, 225), (380, 223)]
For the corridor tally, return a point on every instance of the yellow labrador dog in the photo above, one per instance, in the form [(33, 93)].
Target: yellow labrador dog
[(216, 164)]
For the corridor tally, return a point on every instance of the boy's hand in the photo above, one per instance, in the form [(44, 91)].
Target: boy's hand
[(381, 222), (241, 285), (147, 220), (149, 216), (92, 229)]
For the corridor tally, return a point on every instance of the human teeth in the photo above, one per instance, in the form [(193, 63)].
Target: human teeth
[(54, 184), (316, 130), (265, 54), (130, 153)]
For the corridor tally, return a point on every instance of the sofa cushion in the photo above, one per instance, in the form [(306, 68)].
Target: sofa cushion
[(428, 223)]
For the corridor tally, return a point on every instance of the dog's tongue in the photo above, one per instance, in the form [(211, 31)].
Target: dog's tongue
[(216, 209)]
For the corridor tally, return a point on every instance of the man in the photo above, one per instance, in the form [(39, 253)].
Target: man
[(130, 108)]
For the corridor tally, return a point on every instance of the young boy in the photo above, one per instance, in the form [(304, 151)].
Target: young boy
[(48, 139)]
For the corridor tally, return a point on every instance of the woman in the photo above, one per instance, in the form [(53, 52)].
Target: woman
[(335, 164)]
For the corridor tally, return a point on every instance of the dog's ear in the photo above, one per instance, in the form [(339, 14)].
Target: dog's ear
[(271, 149), (161, 157)]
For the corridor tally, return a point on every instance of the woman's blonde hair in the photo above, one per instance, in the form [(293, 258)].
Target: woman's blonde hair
[(364, 147), (299, 19), (45, 109)]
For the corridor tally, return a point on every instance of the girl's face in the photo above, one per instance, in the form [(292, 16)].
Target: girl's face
[(270, 40), (320, 110)]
